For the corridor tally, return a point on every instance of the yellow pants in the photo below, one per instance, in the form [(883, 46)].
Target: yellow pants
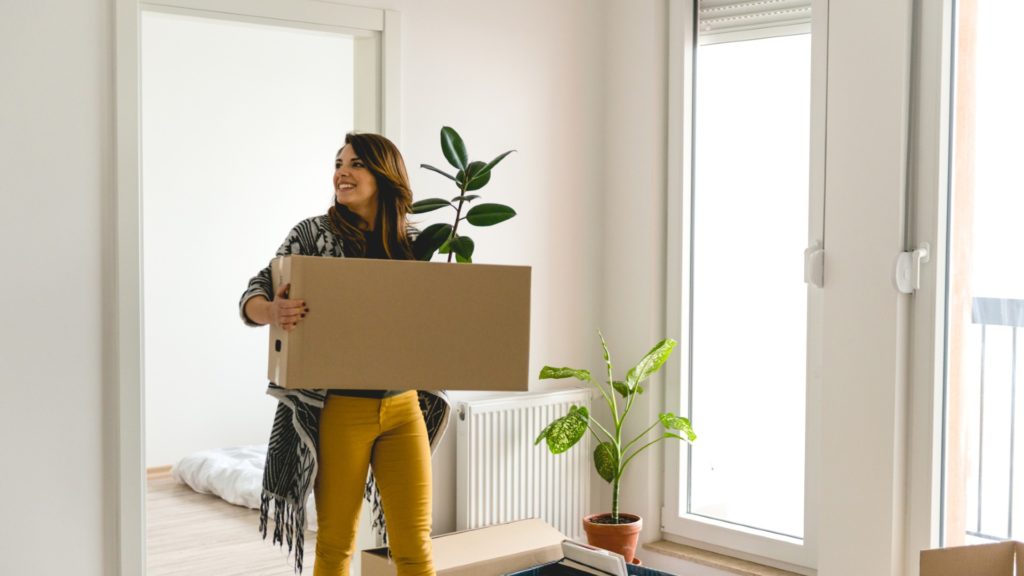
[(389, 435)]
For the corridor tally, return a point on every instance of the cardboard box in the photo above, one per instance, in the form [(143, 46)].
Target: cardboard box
[(491, 551), (402, 325), (997, 559)]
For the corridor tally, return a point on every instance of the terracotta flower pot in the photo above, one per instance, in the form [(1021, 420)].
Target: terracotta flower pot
[(619, 538)]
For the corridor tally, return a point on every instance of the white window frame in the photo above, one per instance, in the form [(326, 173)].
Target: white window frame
[(377, 33), (914, 513), (797, 555), (931, 143)]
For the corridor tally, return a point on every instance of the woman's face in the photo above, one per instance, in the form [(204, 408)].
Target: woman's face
[(354, 185)]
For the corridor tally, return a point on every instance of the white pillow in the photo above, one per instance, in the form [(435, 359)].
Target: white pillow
[(235, 474)]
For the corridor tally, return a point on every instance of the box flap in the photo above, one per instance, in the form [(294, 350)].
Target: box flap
[(514, 545), (494, 550), (978, 560)]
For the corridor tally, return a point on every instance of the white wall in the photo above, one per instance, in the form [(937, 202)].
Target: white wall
[(544, 77), (526, 74), (634, 298), (56, 180)]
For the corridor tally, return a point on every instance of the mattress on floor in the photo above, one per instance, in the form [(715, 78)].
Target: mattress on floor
[(234, 474)]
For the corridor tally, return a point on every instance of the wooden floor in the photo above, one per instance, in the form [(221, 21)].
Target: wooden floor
[(201, 535)]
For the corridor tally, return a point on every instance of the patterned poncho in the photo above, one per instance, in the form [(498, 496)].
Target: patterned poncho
[(291, 466)]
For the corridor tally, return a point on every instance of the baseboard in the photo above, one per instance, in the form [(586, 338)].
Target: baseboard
[(157, 471)]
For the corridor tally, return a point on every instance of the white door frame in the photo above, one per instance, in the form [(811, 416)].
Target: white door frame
[(798, 555), (378, 36)]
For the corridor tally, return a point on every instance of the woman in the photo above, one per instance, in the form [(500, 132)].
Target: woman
[(329, 438)]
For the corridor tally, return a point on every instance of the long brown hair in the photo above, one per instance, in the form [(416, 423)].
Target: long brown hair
[(394, 199)]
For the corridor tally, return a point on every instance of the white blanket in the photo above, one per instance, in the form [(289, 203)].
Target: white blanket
[(235, 474)]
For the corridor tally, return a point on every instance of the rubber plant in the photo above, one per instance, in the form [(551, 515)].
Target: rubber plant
[(470, 177), (612, 456)]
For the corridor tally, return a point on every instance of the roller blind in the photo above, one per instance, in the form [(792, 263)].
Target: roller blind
[(732, 21)]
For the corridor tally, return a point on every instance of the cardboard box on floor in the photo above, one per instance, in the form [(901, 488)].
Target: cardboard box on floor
[(997, 559), (401, 325), (491, 551)]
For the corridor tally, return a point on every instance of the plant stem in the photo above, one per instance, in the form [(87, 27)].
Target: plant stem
[(615, 499), (639, 436), (601, 390), (458, 212), (606, 433), (638, 450), (613, 404)]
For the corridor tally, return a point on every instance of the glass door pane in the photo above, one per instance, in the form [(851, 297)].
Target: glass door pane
[(984, 486), (749, 301)]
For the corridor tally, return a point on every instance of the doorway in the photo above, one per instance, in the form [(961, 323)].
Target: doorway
[(239, 113)]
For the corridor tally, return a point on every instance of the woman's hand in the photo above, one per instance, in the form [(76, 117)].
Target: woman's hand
[(284, 313), (281, 312)]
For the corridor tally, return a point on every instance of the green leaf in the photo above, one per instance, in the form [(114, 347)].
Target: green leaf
[(544, 433), (489, 214), (678, 437), (446, 247), (604, 350), (474, 182), (441, 172), (672, 422), (429, 205), (430, 240), (650, 363), (566, 431), (466, 198), (622, 389), (605, 461), (485, 172), (463, 248), (454, 148), (558, 373)]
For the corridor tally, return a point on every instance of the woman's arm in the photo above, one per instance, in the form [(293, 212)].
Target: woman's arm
[(259, 305), (281, 311)]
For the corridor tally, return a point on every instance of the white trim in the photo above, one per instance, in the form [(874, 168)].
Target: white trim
[(733, 552), (391, 77), (367, 61), (780, 551), (293, 11), (930, 147), (816, 295), (677, 252), (131, 402), (374, 25)]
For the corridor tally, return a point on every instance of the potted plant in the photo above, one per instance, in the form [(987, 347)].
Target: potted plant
[(614, 531), (471, 176)]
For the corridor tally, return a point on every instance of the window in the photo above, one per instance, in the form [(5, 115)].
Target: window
[(745, 209), (748, 301), (984, 487)]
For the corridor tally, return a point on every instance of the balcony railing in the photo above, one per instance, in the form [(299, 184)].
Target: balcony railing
[(993, 481)]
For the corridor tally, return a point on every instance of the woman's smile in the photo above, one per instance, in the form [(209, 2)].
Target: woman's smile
[(355, 185)]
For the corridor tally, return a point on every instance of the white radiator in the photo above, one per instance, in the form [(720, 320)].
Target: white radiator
[(501, 476)]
